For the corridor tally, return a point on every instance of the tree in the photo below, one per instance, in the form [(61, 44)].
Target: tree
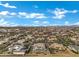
[(66, 41)]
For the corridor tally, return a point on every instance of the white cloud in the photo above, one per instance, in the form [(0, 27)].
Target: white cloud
[(45, 22), (55, 24), (13, 14), (6, 23), (40, 23), (37, 15), (61, 13), (36, 22), (77, 23), (22, 15), (58, 16), (69, 24), (32, 15), (7, 14), (4, 13), (2, 22), (66, 23), (74, 11), (7, 5)]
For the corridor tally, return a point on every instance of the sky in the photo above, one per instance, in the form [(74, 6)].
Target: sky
[(39, 13)]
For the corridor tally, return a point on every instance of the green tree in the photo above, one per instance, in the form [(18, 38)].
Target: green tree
[(66, 41)]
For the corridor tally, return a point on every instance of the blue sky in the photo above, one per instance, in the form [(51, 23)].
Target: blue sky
[(39, 13)]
